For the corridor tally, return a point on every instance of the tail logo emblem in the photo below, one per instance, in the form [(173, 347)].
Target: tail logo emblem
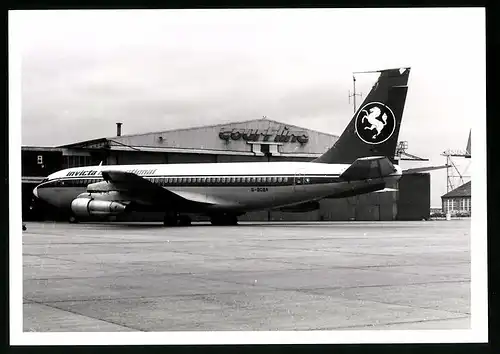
[(375, 123)]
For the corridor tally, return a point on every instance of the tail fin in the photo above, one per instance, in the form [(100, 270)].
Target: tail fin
[(374, 129)]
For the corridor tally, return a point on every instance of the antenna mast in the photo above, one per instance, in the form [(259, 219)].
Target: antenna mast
[(354, 94)]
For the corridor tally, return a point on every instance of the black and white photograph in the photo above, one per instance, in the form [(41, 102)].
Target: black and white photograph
[(247, 176)]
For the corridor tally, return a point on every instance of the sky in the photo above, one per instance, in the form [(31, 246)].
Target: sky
[(82, 71)]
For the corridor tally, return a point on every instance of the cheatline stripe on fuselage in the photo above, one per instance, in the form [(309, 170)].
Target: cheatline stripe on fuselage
[(208, 181)]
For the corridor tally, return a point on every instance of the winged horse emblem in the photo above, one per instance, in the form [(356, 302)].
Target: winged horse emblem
[(372, 116)]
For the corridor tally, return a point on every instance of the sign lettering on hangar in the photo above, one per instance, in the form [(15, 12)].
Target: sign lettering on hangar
[(279, 135)]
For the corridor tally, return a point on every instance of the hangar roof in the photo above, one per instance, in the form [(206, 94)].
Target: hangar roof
[(167, 131), (226, 124), (463, 191), (243, 137)]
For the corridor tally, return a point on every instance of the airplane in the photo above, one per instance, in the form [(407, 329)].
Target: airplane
[(361, 161)]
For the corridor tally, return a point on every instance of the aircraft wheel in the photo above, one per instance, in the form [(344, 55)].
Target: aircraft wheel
[(231, 220), (224, 220), (184, 220), (73, 219), (170, 220)]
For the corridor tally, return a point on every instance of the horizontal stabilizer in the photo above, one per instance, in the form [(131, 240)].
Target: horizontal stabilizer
[(423, 169), (385, 190), (368, 167)]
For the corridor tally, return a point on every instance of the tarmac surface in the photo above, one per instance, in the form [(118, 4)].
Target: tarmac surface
[(294, 276)]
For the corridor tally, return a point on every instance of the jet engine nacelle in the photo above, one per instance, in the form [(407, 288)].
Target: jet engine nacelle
[(92, 207)]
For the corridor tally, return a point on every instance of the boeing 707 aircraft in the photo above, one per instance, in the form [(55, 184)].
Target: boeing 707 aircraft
[(361, 161)]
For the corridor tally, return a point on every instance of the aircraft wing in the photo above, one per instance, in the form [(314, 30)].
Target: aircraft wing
[(140, 189), (423, 169)]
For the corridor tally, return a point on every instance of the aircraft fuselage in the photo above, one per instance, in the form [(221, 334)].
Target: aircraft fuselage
[(221, 186)]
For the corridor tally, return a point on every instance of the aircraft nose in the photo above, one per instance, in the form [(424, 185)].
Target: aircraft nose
[(35, 192)]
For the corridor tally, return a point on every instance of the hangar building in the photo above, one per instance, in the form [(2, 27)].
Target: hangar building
[(246, 141)]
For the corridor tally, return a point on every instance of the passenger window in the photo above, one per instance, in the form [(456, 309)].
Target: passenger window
[(252, 179), (285, 179), (274, 179), (217, 180), (258, 180), (268, 179), (280, 179), (198, 180), (233, 179)]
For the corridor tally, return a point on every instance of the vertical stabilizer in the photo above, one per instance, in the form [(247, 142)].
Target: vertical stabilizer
[(374, 129), (468, 148)]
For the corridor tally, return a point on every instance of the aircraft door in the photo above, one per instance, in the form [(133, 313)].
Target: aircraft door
[(299, 181)]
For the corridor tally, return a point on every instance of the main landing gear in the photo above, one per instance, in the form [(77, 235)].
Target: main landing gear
[(224, 219), (176, 220)]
